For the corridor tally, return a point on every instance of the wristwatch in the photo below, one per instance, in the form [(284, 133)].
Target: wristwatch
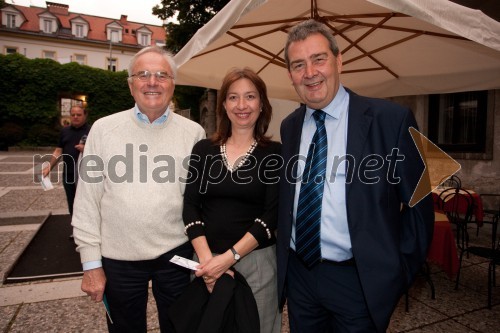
[(237, 256)]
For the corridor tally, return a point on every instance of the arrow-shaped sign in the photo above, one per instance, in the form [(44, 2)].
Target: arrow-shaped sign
[(439, 166)]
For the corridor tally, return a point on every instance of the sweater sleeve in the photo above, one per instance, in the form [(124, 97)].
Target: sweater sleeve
[(86, 219), (266, 223), (191, 213)]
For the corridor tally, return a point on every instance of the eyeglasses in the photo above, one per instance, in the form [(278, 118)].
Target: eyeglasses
[(146, 75)]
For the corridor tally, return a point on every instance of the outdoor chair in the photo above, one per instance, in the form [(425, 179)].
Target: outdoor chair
[(425, 271), (491, 252), (491, 208), (451, 181), (458, 206)]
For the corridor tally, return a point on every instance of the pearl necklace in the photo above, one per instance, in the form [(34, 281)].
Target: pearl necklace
[(242, 160)]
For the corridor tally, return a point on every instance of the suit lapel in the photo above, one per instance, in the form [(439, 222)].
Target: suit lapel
[(360, 119), (296, 123)]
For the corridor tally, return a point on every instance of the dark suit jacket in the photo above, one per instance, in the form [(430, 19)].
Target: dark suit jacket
[(389, 243)]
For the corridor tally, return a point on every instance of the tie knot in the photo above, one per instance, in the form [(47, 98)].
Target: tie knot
[(319, 117)]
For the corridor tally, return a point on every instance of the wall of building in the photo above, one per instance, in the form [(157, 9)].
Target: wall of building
[(281, 109), (482, 176), (96, 55)]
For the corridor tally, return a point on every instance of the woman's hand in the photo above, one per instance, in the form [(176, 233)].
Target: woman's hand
[(213, 269)]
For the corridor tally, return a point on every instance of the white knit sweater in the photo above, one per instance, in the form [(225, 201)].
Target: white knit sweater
[(130, 207)]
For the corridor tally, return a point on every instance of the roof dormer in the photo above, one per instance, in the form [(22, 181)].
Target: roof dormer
[(143, 35), (11, 17), (114, 32), (79, 27), (48, 22)]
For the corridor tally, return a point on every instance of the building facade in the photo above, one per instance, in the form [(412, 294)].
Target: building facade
[(56, 33)]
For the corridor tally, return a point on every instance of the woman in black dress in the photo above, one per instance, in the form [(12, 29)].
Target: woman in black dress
[(231, 197)]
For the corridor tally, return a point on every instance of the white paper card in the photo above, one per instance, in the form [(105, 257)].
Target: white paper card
[(184, 262), (46, 183)]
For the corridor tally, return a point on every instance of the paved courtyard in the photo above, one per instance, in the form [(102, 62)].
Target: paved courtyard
[(59, 306)]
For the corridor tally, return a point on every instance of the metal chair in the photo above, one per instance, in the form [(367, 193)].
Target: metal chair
[(458, 206), (425, 271), (491, 269), (451, 181), (491, 208), (491, 252)]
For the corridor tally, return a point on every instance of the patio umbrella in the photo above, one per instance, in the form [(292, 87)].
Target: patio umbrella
[(389, 48)]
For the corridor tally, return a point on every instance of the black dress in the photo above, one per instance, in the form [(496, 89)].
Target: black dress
[(232, 203)]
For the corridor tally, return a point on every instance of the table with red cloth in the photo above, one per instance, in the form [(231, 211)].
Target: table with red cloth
[(477, 209), (443, 250)]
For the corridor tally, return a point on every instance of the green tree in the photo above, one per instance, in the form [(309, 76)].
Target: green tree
[(2, 3), (31, 90), (191, 15)]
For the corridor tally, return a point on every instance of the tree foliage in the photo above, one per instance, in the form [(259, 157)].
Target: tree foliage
[(32, 88), (191, 15)]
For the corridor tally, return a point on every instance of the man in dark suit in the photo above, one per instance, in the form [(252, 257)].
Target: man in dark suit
[(370, 242)]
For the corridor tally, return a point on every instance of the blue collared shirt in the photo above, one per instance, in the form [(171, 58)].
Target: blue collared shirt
[(335, 238), (144, 119)]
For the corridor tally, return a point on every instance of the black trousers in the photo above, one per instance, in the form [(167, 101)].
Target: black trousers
[(127, 289), (70, 188)]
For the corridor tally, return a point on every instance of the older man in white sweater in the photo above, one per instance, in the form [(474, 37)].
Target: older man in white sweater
[(128, 210)]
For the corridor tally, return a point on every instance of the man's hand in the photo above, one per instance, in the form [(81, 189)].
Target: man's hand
[(80, 147), (93, 283)]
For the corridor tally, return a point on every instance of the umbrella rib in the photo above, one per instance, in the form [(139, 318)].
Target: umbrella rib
[(363, 70), (247, 41), (314, 10), (259, 24), (242, 40), (271, 60), (363, 51), (390, 27), (387, 18), (383, 47)]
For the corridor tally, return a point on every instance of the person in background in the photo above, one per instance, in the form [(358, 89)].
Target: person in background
[(70, 146), (231, 199), (127, 221), (349, 244)]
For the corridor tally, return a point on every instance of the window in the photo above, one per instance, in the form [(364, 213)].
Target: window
[(11, 21), (81, 59), (114, 36), (79, 28), (49, 55), (111, 63), (458, 122), (47, 26), (79, 31), (144, 40), (10, 50)]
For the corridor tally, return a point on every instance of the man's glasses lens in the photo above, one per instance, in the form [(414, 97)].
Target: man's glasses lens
[(146, 75)]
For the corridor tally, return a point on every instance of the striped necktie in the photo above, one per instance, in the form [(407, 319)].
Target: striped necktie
[(308, 219)]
